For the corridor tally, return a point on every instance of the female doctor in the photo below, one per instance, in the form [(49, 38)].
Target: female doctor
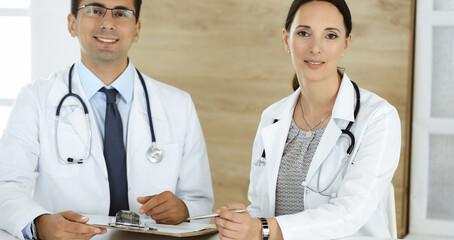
[(323, 157)]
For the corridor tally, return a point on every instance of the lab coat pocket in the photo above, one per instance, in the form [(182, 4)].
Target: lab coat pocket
[(161, 176), (259, 182)]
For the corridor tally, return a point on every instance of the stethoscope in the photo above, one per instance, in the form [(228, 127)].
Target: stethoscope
[(154, 153), (322, 191)]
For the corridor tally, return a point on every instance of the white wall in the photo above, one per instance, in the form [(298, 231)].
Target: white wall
[(52, 45)]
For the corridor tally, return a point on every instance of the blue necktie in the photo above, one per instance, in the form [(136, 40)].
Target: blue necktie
[(115, 154)]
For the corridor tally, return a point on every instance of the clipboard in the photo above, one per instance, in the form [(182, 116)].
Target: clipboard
[(130, 222)]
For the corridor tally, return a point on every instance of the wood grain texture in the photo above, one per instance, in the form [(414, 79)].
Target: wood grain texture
[(229, 56)]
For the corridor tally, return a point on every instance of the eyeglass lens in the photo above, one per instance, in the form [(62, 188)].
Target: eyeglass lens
[(98, 11)]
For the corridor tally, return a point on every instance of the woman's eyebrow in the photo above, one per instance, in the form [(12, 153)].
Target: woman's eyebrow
[(332, 29)]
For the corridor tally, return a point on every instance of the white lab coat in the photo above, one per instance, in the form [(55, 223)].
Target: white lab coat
[(360, 206), (28, 153)]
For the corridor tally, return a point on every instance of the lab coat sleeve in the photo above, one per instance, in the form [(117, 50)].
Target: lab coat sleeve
[(363, 187), (19, 152), (194, 185)]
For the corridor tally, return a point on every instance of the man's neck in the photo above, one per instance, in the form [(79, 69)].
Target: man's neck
[(107, 72)]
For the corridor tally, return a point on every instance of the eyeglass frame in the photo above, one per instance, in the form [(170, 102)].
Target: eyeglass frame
[(106, 8)]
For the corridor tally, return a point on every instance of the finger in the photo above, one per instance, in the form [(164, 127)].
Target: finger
[(232, 206), (74, 217), (153, 202), (229, 234), (78, 236), (233, 216), (157, 210), (223, 237), (80, 228), (145, 199)]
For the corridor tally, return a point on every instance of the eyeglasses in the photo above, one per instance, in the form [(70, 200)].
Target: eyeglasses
[(100, 12)]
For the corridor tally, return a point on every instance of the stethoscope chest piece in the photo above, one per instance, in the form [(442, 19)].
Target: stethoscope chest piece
[(154, 154)]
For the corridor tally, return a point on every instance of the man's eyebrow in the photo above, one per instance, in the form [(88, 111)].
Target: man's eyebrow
[(97, 4)]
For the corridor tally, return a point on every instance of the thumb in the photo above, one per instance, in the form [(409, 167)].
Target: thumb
[(74, 217)]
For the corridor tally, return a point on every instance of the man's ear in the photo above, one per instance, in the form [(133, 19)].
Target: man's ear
[(72, 25), (138, 26)]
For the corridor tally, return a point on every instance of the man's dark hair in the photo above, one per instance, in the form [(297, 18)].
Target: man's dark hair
[(75, 4)]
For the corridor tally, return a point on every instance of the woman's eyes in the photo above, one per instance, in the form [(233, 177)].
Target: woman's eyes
[(307, 34), (331, 36), (303, 34)]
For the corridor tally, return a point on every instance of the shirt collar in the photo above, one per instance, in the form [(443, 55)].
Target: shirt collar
[(91, 83)]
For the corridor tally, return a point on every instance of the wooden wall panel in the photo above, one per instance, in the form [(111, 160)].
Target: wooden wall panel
[(229, 56)]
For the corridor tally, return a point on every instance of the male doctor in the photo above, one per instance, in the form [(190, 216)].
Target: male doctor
[(43, 195)]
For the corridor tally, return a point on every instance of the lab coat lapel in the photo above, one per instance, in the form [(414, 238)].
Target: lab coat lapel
[(138, 128), (327, 142), (343, 112), (97, 149), (274, 137), (76, 118)]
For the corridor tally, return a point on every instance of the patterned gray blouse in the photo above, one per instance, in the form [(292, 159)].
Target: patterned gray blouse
[(296, 159)]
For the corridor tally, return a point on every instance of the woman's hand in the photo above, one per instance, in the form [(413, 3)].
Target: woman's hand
[(238, 226)]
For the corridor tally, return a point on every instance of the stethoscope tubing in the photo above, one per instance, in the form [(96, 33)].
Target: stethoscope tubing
[(150, 119), (87, 117), (262, 159), (87, 120), (349, 151)]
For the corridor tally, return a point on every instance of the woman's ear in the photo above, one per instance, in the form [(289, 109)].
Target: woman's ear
[(285, 39), (347, 42)]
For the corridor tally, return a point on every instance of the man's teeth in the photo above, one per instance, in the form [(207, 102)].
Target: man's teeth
[(106, 40)]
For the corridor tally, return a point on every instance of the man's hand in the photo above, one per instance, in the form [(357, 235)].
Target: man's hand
[(164, 208), (65, 225)]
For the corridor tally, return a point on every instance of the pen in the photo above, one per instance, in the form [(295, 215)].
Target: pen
[(215, 214)]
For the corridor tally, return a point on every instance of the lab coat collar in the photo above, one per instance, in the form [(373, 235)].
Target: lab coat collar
[(344, 106), (60, 89)]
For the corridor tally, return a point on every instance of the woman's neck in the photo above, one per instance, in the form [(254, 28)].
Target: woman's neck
[(317, 100)]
